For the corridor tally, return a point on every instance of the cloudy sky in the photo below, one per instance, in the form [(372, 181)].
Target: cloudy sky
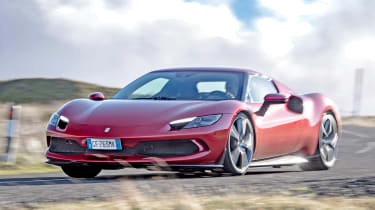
[(311, 45)]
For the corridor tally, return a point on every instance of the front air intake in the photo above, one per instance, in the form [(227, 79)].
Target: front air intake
[(166, 148)]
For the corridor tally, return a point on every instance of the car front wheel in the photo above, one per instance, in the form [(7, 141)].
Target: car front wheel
[(240, 146)]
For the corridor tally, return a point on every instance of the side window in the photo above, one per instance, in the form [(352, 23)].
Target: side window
[(150, 88), (259, 87)]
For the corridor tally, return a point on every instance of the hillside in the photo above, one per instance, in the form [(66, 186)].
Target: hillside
[(38, 90)]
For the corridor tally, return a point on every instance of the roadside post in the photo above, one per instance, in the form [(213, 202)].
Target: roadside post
[(357, 98), (11, 133)]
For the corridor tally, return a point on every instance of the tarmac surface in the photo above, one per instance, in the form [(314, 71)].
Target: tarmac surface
[(352, 176)]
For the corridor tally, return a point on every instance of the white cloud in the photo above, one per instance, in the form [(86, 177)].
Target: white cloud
[(213, 2), (360, 50), (97, 19), (312, 46), (291, 19), (297, 9)]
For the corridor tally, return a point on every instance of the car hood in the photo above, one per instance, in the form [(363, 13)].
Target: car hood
[(141, 112)]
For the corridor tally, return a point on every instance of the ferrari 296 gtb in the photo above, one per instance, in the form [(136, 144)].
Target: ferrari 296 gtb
[(192, 119)]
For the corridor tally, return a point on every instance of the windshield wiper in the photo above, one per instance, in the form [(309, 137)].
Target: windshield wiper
[(155, 98)]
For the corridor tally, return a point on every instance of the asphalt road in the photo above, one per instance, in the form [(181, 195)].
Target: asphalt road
[(352, 176)]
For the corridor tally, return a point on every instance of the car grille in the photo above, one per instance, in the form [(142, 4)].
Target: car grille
[(166, 148), (159, 148), (60, 145)]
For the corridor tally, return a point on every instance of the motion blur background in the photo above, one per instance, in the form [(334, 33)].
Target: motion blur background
[(311, 45), (52, 51)]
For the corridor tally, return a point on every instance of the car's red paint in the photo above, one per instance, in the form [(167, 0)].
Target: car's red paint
[(145, 120), (279, 131), (274, 128)]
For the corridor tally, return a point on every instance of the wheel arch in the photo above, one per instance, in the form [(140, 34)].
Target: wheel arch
[(315, 106)]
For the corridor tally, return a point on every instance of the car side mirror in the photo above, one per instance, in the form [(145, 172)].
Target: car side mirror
[(293, 103), (276, 98), (97, 96)]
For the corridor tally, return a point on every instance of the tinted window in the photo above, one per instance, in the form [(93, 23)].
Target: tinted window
[(259, 87), (185, 85)]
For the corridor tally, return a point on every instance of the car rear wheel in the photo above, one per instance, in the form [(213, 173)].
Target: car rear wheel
[(81, 171), (240, 146), (325, 155)]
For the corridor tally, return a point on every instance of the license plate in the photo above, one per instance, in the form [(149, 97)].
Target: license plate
[(104, 144)]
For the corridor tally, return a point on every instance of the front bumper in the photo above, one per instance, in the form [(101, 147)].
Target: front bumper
[(209, 144), (150, 166)]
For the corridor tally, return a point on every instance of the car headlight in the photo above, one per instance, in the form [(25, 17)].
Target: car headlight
[(195, 122), (53, 120), (58, 121)]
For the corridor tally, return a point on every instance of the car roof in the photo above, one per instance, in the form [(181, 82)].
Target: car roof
[(209, 69), (226, 69)]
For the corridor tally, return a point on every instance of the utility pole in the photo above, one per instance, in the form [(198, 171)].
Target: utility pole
[(357, 97)]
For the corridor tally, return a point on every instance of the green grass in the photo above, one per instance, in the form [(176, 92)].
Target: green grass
[(39, 90), (13, 169), (27, 164)]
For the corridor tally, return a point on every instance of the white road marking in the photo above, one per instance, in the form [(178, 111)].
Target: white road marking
[(355, 134), (370, 146)]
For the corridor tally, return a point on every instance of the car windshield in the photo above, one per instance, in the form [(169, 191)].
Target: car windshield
[(185, 85)]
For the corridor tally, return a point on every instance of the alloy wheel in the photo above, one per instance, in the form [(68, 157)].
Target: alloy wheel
[(328, 140), (241, 143)]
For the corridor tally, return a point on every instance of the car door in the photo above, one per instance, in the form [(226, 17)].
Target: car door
[(277, 129)]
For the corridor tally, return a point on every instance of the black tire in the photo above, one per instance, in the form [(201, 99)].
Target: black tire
[(81, 171), (240, 145), (326, 151)]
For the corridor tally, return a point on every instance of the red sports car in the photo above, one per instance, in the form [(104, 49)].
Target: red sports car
[(192, 119)]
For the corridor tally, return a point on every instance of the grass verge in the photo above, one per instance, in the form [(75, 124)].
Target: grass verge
[(26, 167), (364, 121), (12, 169), (221, 202)]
